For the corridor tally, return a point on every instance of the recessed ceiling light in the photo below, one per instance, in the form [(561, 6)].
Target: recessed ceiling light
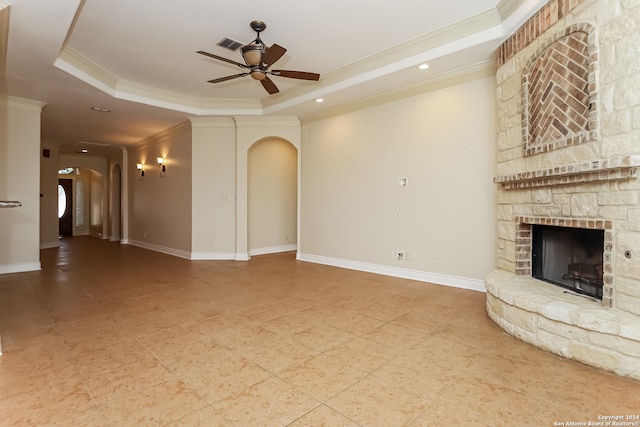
[(423, 66), (84, 150), (101, 109), (319, 100)]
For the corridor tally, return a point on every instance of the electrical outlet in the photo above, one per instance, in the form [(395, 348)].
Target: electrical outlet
[(400, 256), (436, 260)]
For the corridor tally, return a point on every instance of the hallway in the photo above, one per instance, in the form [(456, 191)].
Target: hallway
[(115, 335)]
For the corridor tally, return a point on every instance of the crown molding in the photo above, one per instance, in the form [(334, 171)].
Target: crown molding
[(91, 73), (490, 25), (410, 54), (467, 74), (507, 8), (22, 104), (262, 121), (212, 122)]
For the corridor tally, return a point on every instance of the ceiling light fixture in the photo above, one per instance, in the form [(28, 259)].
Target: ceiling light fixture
[(423, 66), (84, 151), (101, 109), (319, 100)]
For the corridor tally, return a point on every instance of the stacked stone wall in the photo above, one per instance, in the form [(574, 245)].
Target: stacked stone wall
[(583, 173), (595, 179)]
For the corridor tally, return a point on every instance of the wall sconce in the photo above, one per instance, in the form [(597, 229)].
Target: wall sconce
[(161, 165), (140, 167)]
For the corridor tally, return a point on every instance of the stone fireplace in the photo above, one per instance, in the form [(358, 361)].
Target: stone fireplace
[(568, 155)]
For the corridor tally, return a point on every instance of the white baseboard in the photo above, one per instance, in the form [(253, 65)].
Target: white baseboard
[(213, 256), (421, 276), (273, 250), (20, 268), (241, 256), (163, 249), (50, 245)]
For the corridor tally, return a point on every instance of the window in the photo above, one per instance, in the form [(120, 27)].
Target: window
[(62, 201), (79, 203)]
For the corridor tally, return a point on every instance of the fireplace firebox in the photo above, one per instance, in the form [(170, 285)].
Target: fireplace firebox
[(569, 257)]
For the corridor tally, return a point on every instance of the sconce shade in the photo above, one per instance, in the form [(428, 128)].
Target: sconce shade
[(139, 166), (160, 161)]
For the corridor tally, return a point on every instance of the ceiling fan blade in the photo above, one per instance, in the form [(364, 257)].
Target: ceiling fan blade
[(273, 53), (269, 85), (296, 74), (220, 58), (224, 79)]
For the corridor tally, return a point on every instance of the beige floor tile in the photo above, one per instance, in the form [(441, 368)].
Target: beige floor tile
[(441, 351), (323, 376), (113, 335), (45, 405), (323, 416), (477, 403), (291, 323), (221, 377), (512, 373), (91, 335), (206, 417), (364, 354), (411, 373), (376, 402), (396, 337), (353, 322), (126, 378), (323, 337), (271, 402), (276, 355), (158, 404), (169, 343)]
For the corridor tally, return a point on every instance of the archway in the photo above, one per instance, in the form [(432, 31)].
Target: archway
[(87, 191), (272, 196)]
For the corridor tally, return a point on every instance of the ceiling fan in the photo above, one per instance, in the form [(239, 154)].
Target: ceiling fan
[(258, 58)]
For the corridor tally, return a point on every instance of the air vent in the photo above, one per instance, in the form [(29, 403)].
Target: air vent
[(230, 44)]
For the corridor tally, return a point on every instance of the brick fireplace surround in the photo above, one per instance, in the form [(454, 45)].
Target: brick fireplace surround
[(568, 154)]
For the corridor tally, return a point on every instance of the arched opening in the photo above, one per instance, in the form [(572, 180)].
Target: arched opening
[(83, 191), (272, 196)]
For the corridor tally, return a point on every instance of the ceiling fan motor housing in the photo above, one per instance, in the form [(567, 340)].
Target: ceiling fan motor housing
[(252, 53)]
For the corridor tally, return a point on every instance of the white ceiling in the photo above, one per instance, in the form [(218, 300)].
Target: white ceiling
[(138, 58)]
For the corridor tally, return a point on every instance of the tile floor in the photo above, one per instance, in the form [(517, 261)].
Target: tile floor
[(113, 335)]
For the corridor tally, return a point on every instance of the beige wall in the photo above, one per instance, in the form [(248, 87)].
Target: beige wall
[(160, 207), (353, 212), (220, 157), (49, 200), (272, 196), (213, 188), (19, 153)]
